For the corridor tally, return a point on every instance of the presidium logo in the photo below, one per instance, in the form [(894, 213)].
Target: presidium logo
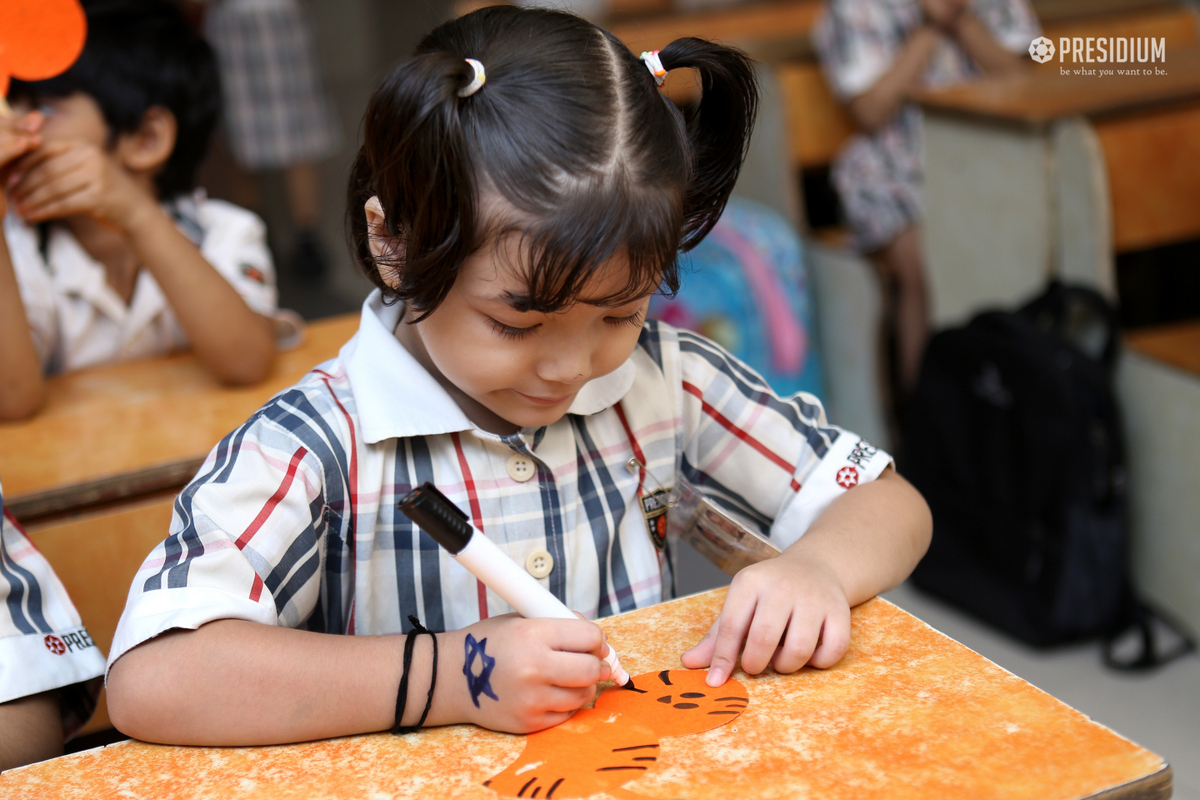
[(1041, 50), (1120, 52)]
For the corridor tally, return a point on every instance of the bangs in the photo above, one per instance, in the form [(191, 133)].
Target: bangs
[(563, 249)]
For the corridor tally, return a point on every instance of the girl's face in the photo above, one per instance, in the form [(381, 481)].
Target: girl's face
[(511, 369)]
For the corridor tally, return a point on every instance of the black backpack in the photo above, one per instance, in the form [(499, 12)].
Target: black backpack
[(1014, 438)]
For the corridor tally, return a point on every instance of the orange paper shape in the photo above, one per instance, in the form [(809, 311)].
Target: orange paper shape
[(601, 749), (39, 38)]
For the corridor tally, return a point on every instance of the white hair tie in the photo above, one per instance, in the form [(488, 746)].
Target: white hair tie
[(479, 80), (654, 64)]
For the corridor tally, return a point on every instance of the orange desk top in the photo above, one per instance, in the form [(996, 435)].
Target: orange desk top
[(141, 426), (908, 713), (1042, 94)]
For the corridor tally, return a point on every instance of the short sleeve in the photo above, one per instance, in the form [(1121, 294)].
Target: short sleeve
[(235, 243), (855, 43), (36, 285), (243, 542), (774, 460), (43, 643), (1011, 22)]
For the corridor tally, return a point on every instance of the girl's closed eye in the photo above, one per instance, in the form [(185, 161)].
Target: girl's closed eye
[(633, 320), (511, 332)]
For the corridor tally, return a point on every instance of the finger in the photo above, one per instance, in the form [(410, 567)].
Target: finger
[(575, 670), (701, 653), (835, 639), (798, 643), (561, 699), (60, 188), (731, 631), (48, 151), (766, 632), (575, 636), (66, 206)]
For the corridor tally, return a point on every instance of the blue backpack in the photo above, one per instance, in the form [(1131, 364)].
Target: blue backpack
[(746, 288)]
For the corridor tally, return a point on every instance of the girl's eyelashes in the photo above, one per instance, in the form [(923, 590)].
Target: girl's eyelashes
[(633, 320), (509, 332)]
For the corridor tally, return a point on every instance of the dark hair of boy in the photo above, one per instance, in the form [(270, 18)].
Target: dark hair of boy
[(140, 54), (570, 131)]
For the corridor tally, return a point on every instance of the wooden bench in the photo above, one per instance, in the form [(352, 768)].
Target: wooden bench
[(93, 477)]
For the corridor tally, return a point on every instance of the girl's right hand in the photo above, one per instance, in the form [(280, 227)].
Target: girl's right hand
[(522, 675)]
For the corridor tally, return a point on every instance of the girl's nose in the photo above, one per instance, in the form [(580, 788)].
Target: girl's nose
[(566, 365)]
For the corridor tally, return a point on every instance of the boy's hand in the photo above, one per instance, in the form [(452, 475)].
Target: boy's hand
[(63, 179), (789, 611), (522, 675), (18, 136), (944, 14)]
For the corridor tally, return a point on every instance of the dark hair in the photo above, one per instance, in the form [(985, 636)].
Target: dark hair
[(570, 131), (140, 54)]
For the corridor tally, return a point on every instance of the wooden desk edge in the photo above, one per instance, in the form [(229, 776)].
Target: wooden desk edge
[(1157, 786), (30, 507)]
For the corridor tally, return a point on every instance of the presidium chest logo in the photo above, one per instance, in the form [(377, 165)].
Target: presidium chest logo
[(848, 476)]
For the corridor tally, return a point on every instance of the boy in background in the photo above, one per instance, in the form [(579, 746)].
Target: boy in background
[(115, 253)]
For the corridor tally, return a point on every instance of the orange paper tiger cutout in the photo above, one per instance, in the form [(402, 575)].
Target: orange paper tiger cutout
[(601, 749)]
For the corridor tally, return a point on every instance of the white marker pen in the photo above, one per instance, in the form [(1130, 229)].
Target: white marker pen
[(449, 526)]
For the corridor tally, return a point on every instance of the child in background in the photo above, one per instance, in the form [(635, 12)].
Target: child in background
[(876, 54), (116, 256), (49, 667), (521, 191)]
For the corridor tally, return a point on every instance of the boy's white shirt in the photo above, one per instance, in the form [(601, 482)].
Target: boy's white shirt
[(76, 318)]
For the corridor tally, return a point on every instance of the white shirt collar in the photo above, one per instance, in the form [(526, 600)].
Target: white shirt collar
[(396, 396)]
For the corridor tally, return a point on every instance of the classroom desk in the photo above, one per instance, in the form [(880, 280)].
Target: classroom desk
[(131, 429), (908, 713), (93, 477), (1046, 173)]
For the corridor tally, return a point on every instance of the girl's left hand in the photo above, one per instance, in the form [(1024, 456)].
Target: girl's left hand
[(789, 611)]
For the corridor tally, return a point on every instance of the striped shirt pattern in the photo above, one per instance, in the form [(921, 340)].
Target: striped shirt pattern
[(293, 518), (43, 644)]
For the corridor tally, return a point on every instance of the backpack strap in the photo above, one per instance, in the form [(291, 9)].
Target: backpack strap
[(1073, 311), (1148, 626)]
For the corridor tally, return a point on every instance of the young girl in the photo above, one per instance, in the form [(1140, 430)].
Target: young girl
[(521, 191)]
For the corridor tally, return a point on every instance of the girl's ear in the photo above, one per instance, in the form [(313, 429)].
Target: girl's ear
[(384, 248), (147, 148)]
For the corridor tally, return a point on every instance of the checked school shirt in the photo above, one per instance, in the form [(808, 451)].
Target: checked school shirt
[(43, 644), (293, 518)]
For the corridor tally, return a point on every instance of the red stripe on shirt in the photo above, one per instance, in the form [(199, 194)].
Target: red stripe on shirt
[(728, 425), (353, 479), (476, 514), (274, 500), (256, 589), (637, 450)]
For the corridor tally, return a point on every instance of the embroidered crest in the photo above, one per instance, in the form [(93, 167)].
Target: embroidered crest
[(654, 507)]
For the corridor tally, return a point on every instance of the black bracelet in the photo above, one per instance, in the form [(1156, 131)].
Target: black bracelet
[(402, 695)]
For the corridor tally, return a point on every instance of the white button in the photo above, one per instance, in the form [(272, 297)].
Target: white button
[(539, 564), (520, 468)]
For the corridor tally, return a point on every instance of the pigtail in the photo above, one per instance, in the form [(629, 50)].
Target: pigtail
[(718, 128), (414, 157)]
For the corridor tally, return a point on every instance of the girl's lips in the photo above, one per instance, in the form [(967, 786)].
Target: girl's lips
[(545, 401)]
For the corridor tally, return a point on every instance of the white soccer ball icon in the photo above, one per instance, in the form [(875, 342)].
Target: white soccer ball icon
[(1041, 50)]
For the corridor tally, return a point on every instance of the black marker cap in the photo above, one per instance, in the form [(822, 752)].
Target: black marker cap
[(437, 516)]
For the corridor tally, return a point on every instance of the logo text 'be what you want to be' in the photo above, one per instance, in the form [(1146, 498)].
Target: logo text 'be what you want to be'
[(1121, 54)]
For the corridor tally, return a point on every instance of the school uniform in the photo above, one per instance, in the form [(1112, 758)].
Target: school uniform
[(293, 518), (43, 643), (78, 320), (275, 111), (878, 175)]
